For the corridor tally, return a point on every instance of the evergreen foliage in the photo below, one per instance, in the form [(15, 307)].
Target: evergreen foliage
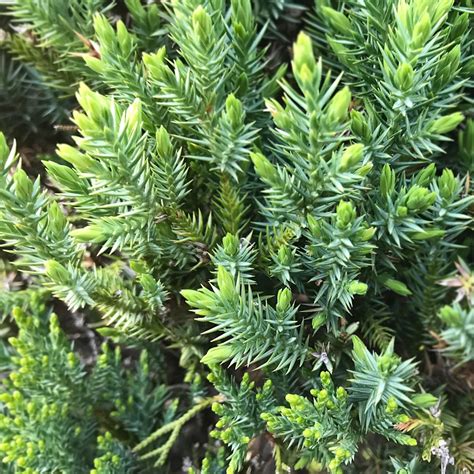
[(283, 241), (53, 425)]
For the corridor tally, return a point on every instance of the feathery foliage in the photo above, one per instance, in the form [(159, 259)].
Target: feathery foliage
[(221, 229)]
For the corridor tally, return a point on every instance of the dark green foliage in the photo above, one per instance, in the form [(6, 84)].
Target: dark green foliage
[(62, 29), (27, 105)]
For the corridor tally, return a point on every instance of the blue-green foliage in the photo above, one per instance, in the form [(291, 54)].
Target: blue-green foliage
[(290, 231)]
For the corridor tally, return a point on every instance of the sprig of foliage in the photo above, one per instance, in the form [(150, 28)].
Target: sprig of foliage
[(54, 425), (409, 75)]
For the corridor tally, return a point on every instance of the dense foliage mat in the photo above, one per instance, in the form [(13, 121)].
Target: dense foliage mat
[(235, 236)]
